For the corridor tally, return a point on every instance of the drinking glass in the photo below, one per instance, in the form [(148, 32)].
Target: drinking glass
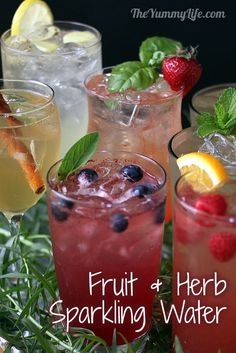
[(135, 121), (88, 243), (204, 100), (64, 70), (29, 144), (205, 257), (183, 142)]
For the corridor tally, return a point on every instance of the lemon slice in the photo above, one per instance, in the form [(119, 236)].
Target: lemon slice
[(205, 171), (83, 37), (45, 46), (29, 15)]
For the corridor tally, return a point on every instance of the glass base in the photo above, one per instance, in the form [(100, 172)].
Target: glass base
[(136, 346)]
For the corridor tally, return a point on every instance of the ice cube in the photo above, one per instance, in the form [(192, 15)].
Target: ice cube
[(19, 43), (160, 85), (45, 33), (72, 48), (221, 147), (133, 97)]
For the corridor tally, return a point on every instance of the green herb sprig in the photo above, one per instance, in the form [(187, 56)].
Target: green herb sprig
[(224, 119), (78, 155), (141, 74)]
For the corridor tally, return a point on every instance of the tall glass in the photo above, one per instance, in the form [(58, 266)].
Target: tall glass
[(205, 259), (107, 233), (185, 141), (137, 121), (204, 100), (64, 70), (29, 144)]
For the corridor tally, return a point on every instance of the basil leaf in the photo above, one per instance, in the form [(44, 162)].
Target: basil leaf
[(78, 155), (149, 49), (131, 74)]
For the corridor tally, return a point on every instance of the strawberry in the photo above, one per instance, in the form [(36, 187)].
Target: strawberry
[(212, 203), (181, 72), (222, 245)]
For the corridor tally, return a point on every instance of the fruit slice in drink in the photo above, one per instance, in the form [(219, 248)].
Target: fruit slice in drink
[(38, 48), (205, 250)]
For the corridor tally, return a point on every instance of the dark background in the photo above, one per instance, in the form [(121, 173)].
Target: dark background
[(122, 34)]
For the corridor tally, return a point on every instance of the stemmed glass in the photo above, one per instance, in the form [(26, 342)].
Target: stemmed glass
[(29, 145)]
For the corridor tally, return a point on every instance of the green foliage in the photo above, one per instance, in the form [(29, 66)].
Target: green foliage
[(78, 154), (224, 120), (153, 50), (131, 74), (142, 74)]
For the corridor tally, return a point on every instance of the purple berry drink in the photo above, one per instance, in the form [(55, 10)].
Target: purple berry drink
[(205, 257), (106, 225)]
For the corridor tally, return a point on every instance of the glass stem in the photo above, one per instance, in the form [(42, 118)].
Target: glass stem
[(14, 224)]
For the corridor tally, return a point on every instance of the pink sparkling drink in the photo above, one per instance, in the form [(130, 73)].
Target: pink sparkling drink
[(106, 224), (140, 121), (205, 255)]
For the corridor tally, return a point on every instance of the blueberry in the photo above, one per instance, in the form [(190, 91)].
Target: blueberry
[(66, 203), (132, 172), (160, 213), (119, 223), (58, 214), (87, 175), (143, 189)]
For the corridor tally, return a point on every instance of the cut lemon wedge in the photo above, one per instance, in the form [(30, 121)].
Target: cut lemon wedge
[(204, 172), (83, 37), (45, 46), (29, 15)]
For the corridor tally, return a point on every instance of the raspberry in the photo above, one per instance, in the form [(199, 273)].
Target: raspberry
[(213, 204), (222, 245)]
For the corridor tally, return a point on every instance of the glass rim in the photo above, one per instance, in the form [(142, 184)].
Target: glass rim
[(231, 219), (27, 89), (107, 70), (24, 53), (85, 204), (206, 89), (170, 147)]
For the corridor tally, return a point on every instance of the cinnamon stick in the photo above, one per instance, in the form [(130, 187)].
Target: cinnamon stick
[(19, 151), (5, 109)]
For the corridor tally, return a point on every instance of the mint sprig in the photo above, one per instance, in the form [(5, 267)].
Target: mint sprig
[(78, 155), (142, 74), (224, 119)]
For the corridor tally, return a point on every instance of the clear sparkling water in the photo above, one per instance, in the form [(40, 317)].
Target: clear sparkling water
[(64, 70)]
